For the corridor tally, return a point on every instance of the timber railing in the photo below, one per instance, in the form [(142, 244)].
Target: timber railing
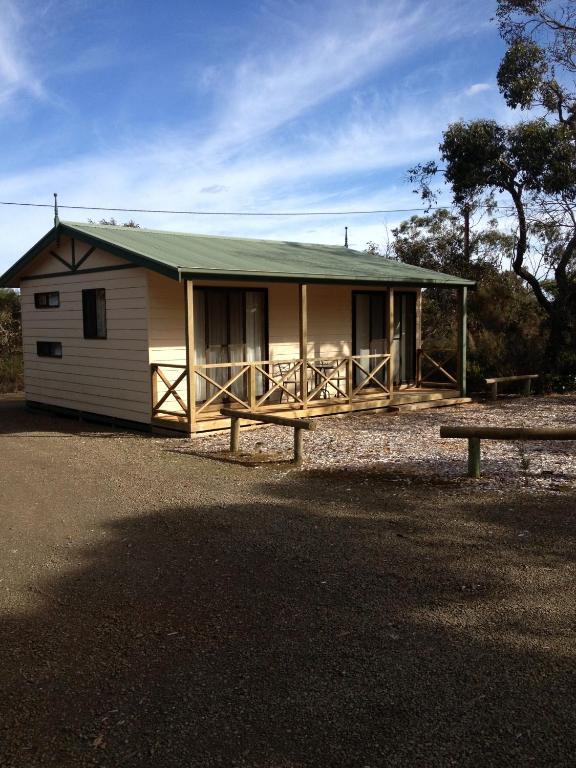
[(269, 385), (168, 384), (436, 368)]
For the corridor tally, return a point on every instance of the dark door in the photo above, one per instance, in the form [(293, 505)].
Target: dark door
[(405, 338), (229, 327), (369, 331)]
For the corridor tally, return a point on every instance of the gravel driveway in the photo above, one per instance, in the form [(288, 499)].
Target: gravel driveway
[(161, 609)]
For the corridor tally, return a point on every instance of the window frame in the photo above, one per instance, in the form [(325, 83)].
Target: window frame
[(48, 294), (51, 349), (90, 322)]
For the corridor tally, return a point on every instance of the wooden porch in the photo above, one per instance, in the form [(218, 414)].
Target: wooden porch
[(294, 388), (305, 386)]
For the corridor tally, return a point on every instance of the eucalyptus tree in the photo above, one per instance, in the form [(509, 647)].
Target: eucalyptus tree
[(529, 166)]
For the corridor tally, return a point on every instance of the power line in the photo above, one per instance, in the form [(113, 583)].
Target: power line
[(241, 213)]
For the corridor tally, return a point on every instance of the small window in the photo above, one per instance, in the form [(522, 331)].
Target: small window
[(94, 313), (47, 300), (49, 348)]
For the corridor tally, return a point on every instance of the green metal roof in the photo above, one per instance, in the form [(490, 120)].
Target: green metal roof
[(184, 256)]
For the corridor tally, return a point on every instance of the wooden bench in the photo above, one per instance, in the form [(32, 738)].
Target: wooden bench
[(475, 434), (526, 379), (298, 425)]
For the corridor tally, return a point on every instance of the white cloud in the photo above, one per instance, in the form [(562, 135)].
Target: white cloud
[(355, 163), (332, 51), (16, 75), (477, 88)]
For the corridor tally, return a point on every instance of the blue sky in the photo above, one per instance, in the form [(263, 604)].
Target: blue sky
[(269, 105)]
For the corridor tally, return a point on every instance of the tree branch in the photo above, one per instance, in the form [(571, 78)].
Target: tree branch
[(521, 248)]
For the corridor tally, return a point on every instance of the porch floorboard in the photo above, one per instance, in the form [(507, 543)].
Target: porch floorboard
[(211, 420)]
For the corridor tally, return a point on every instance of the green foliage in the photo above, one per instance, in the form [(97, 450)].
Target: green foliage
[(111, 222), (505, 323), (533, 156), (521, 73), (11, 372), (10, 341), (532, 162)]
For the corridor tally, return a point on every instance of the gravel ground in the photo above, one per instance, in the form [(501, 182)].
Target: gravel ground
[(162, 609), (409, 444)]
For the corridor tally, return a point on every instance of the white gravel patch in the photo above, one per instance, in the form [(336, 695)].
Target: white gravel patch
[(407, 446)]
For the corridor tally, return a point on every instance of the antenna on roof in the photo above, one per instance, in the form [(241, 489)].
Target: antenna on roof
[(345, 237), (56, 217)]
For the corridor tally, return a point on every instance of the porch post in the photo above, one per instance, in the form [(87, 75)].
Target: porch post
[(462, 338), (303, 332), (190, 353), (391, 344), (418, 334)]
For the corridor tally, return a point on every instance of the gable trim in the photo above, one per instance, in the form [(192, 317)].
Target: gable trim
[(79, 272), (135, 259)]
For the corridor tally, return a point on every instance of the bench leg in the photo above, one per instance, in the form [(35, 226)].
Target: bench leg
[(474, 457), (527, 387), (234, 435), (494, 391), (298, 446)]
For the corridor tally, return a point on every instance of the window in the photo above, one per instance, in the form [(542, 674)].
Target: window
[(47, 300), (49, 348), (94, 313)]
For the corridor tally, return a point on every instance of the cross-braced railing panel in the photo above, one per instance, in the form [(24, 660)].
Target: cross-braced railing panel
[(167, 379), (433, 372), (373, 368), (327, 379), (281, 379), (233, 388)]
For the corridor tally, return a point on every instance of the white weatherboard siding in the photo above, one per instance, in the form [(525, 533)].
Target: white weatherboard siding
[(109, 377)]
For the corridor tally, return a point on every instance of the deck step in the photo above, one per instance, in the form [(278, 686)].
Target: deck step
[(432, 404)]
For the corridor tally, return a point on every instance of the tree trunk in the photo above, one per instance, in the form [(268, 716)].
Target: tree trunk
[(562, 341)]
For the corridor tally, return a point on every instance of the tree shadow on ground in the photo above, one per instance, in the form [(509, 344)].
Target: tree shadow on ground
[(337, 624)]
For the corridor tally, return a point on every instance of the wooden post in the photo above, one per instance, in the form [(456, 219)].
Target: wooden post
[(303, 327), (418, 336), (252, 387), (474, 457), (154, 387), (391, 344), (494, 391), (527, 387), (462, 338), (298, 446), (349, 378), (234, 434), (190, 354)]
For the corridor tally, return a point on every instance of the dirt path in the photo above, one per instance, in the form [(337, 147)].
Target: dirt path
[(161, 610)]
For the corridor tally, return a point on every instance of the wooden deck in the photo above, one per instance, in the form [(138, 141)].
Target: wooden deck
[(292, 388)]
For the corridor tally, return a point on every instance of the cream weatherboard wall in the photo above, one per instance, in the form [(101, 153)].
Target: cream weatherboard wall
[(109, 377), (329, 318)]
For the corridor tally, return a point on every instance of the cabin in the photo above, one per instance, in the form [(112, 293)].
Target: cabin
[(162, 329)]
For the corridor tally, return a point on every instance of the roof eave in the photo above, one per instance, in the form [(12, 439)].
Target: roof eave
[(186, 274)]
